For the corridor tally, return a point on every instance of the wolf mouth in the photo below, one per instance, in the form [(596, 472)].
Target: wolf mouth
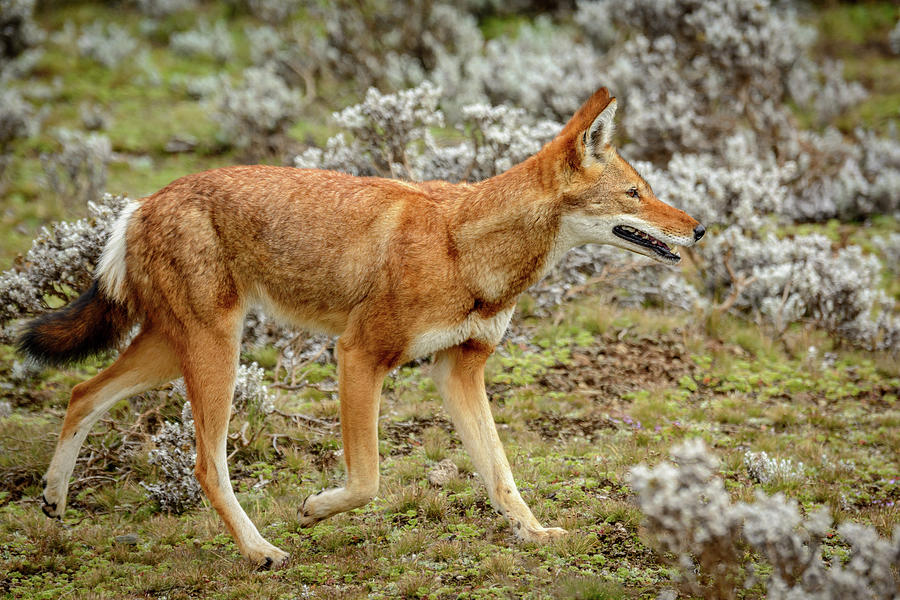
[(641, 238)]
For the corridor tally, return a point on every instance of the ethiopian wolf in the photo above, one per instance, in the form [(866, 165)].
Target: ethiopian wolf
[(399, 270)]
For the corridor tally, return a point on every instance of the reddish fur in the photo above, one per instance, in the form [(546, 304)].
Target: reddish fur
[(378, 262)]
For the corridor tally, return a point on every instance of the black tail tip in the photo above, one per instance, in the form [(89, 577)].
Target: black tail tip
[(87, 326)]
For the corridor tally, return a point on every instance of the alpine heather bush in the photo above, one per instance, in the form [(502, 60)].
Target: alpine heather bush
[(58, 266), (18, 120), (689, 514), (18, 31), (894, 38), (384, 127), (108, 44), (164, 8), (390, 137), (250, 391), (271, 11), (206, 40), (802, 279), (381, 43), (256, 114), (174, 454), (174, 446), (77, 173), (762, 468)]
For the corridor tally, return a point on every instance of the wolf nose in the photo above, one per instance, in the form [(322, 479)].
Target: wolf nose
[(699, 230)]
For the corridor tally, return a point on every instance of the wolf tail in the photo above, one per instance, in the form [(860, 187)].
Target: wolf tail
[(88, 325), (95, 321)]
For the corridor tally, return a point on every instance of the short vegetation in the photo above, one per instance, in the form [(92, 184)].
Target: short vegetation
[(724, 429)]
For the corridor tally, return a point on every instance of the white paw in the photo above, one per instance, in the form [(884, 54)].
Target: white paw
[(267, 556), (53, 501), (540, 535)]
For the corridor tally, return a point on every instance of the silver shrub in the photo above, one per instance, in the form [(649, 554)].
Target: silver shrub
[(59, 264), (384, 128), (77, 173), (18, 120), (763, 468), (272, 11), (543, 66), (390, 137), (174, 452), (689, 513), (108, 44), (256, 114), (209, 40), (18, 30), (803, 279), (250, 392), (894, 38), (164, 8), (174, 455)]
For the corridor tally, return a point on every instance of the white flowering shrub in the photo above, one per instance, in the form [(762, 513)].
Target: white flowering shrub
[(803, 279), (213, 41), (689, 514), (18, 31), (256, 114), (391, 137), (174, 454), (250, 391), (763, 468), (59, 264), (164, 8), (271, 11), (108, 44), (894, 38), (18, 120), (77, 173), (174, 445)]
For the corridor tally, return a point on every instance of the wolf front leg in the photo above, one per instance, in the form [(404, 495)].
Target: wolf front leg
[(459, 375), (360, 378)]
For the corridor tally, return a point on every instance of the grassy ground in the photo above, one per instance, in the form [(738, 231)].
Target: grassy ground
[(610, 389)]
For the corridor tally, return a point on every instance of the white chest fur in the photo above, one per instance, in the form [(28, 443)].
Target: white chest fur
[(475, 327)]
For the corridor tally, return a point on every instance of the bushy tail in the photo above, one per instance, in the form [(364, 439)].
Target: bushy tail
[(86, 326)]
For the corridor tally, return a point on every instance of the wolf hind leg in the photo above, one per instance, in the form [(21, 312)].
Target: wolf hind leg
[(148, 362), (210, 367)]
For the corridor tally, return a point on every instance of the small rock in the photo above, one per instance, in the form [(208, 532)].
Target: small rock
[(129, 539), (442, 473)]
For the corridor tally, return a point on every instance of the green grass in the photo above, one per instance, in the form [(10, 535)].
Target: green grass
[(570, 453), (574, 416)]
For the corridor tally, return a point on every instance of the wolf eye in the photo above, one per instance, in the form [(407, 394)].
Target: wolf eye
[(633, 192)]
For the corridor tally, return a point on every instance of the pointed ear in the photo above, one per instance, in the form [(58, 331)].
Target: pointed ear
[(599, 135)]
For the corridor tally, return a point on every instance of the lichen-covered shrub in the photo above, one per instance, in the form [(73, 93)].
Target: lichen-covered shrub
[(164, 8), (803, 279), (689, 514), (763, 468), (174, 445), (213, 41), (390, 137), (174, 455), (58, 266), (256, 114), (108, 44), (77, 173), (18, 31), (18, 120)]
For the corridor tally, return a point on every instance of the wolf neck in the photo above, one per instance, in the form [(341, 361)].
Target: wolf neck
[(506, 229)]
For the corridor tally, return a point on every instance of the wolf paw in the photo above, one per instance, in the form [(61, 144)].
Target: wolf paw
[(540, 535)]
